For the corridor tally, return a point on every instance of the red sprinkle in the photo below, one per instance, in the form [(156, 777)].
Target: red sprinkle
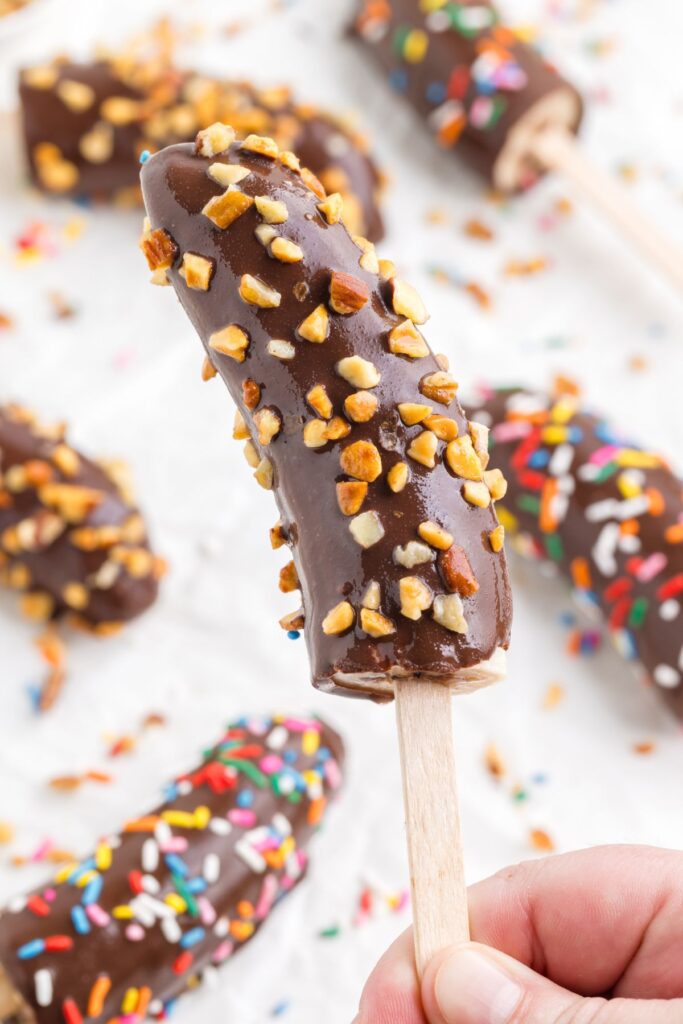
[(38, 906), (634, 564), (525, 450), (618, 589), (531, 480), (135, 881), (58, 944), (183, 962), (671, 588), (619, 613), (71, 1013)]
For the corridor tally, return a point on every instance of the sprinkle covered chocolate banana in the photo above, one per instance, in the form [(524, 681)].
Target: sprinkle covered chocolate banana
[(156, 908), (71, 539), (383, 485)]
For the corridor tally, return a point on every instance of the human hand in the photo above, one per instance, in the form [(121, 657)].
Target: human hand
[(594, 937)]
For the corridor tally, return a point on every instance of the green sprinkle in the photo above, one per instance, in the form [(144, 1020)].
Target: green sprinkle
[(247, 768), (608, 470), (554, 547), (529, 503), (400, 36), (520, 795), (330, 933), (638, 612), (183, 891)]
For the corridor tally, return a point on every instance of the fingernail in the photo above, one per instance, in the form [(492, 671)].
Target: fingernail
[(470, 988)]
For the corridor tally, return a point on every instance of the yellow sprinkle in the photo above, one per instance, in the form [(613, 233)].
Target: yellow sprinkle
[(123, 913), (310, 742), (130, 1001), (103, 857), (202, 817), (178, 819), (628, 487), (507, 519), (63, 873), (632, 459), (84, 879), (288, 846), (415, 46), (563, 409), (176, 902), (555, 434)]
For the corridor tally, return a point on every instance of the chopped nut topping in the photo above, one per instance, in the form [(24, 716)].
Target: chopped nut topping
[(315, 434), (159, 278), (435, 535), (368, 260), (439, 386), (442, 360), (387, 270), (294, 620), (37, 606), (224, 210), (268, 425), (412, 413), (358, 372), (423, 449), (372, 596), (397, 477), (273, 211), (337, 428), (448, 612), (97, 145), (121, 110), (197, 271), (257, 293), (476, 494), (290, 160), (240, 430), (445, 429), (251, 454), (406, 302), (57, 175), (366, 529), (251, 394), (214, 139), (43, 77), (76, 596), (227, 174), (265, 234), (94, 538), (286, 251), (72, 502), (496, 483), (289, 580), (351, 495), (278, 538), (319, 401), (348, 294), (416, 597), (413, 553), (339, 619), (230, 341), (480, 439), (315, 185), (406, 340), (66, 460), (462, 458), (374, 624), (497, 539), (332, 208), (457, 571), (362, 461), (262, 145), (281, 349), (360, 406), (159, 248), (315, 326), (209, 371), (77, 96), (264, 474)]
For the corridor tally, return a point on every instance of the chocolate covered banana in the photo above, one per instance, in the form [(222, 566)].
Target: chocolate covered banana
[(159, 906), (86, 125), (480, 89), (71, 538), (383, 485), (606, 512)]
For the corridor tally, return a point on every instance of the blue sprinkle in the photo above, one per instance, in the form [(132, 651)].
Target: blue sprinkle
[(85, 202), (539, 779), (324, 753), (245, 798), (79, 919), (192, 937), (575, 435), (171, 792), (289, 756), (92, 891), (176, 864), (281, 1008), (293, 634), (399, 80), (31, 949), (436, 93), (82, 869), (196, 885), (540, 458), (144, 156), (34, 694), (567, 619)]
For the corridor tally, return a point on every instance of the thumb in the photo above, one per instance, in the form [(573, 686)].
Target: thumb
[(473, 984)]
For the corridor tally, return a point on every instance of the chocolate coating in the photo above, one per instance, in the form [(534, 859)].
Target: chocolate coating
[(70, 537), (171, 106), (213, 860), (331, 565), (472, 85), (608, 513)]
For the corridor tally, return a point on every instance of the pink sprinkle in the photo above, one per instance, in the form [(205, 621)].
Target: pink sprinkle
[(270, 764), (50, 895), (287, 883), (301, 725), (242, 817), (135, 933), (332, 774), (267, 897), (601, 456), (97, 915), (403, 901), (42, 851), (207, 912), (512, 431), (651, 567), (222, 952), (176, 844)]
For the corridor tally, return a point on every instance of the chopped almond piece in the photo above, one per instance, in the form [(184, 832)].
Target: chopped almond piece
[(197, 271), (476, 493), (358, 372), (348, 294), (368, 260), (277, 535), (315, 185), (462, 458), (412, 413), (315, 434), (319, 401), (423, 449), (397, 477), (445, 429), (376, 625), (360, 407), (159, 248), (366, 529), (289, 580), (209, 371), (66, 460), (339, 619), (37, 606), (281, 349), (77, 96), (439, 386), (44, 77), (350, 496), (332, 208), (387, 270), (457, 572), (97, 145), (268, 425), (227, 174), (214, 139), (416, 597), (480, 439), (406, 302), (496, 483), (413, 553), (264, 474), (362, 461), (406, 340), (257, 293), (230, 341), (435, 535), (372, 596), (286, 251), (263, 145), (273, 211), (251, 394), (442, 360), (72, 502), (337, 428), (315, 326), (240, 430), (265, 234), (448, 612), (76, 596), (290, 160), (121, 110), (224, 210), (497, 538), (294, 620), (251, 454)]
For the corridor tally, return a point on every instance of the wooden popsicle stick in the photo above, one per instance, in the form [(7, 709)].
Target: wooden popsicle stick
[(558, 150), (437, 876)]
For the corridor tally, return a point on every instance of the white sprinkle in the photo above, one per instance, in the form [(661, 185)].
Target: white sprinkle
[(588, 472), (605, 547), (43, 986), (277, 738), (16, 905), (155, 1007), (163, 833), (566, 484), (251, 857), (221, 928), (184, 787), (142, 913), (150, 855), (282, 826), (667, 676), (630, 544), (669, 610), (212, 868), (220, 826), (561, 460), (171, 930), (559, 505), (156, 907), (610, 508), (150, 884)]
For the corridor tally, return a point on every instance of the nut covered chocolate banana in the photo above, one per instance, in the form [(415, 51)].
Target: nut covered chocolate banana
[(385, 495), (71, 538), (480, 89), (155, 909), (86, 125), (606, 512)]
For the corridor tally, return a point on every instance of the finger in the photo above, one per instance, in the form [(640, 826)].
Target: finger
[(392, 993), (473, 984), (607, 920)]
